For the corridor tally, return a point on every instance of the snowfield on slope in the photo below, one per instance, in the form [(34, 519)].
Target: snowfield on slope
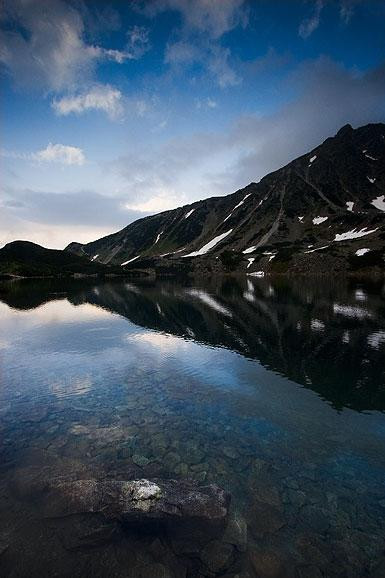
[(209, 245), (129, 261), (362, 251), (353, 234), (236, 206), (319, 220), (379, 203)]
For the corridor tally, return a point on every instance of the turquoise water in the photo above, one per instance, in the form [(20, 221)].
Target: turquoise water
[(274, 390)]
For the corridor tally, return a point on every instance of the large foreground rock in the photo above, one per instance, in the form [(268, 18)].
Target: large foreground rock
[(178, 504), (140, 528)]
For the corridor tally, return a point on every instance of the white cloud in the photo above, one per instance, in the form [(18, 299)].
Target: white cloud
[(347, 9), (100, 97), (210, 55), (137, 45), (159, 202), (181, 52), (137, 42), (220, 67), (44, 45), (51, 53), (204, 22), (204, 16), (59, 153), (141, 107), (206, 103), (309, 25), (49, 218), (63, 154)]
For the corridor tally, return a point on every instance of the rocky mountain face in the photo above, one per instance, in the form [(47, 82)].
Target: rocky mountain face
[(323, 211)]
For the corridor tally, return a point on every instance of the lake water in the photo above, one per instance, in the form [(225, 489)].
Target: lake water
[(275, 390)]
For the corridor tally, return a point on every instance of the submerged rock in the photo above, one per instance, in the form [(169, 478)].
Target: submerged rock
[(186, 527), (139, 500)]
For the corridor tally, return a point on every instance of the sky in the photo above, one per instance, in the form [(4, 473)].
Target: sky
[(111, 111)]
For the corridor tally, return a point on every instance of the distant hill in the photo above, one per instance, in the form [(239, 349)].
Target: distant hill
[(25, 259), (323, 212)]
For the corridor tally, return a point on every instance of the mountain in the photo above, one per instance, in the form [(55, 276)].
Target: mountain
[(323, 211), (25, 259)]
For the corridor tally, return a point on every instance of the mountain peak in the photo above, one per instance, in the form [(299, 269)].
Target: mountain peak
[(322, 212), (346, 130)]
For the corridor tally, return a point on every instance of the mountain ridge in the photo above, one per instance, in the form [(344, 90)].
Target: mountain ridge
[(321, 202), (27, 259)]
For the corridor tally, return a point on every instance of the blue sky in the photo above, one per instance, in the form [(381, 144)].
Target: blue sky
[(114, 110)]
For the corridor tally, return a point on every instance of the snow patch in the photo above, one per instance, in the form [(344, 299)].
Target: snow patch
[(209, 245), (361, 252), (350, 205), (189, 213), (371, 180), (379, 203), (249, 296), (236, 206), (129, 261), (317, 249), (159, 309), (300, 219), (313, 159), (257, 274), (369, 156), (353, 234), (158, 237), (250, 262), (95, 257), (173, 252), (262, 201), (249, 250), (319, 220)]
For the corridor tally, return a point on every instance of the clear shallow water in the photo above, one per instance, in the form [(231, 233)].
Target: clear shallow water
[(273, 390)]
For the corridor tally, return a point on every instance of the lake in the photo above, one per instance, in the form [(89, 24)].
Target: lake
[(272, 389)]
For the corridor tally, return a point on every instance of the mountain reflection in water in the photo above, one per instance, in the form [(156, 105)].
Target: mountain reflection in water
[(328, 336)]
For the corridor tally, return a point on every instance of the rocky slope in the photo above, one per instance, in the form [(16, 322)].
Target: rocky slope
[(324, 210), (25, 259)]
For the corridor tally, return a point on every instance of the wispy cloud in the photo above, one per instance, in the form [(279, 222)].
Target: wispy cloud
[(49, 218), (211, 56), (199, 38), (181, 52), (206, 103), (347, 9), (53, 153), (45, 46), (138, 42), (63, 154), (203, 16), (219, 66), (100, 97), (309, 25)]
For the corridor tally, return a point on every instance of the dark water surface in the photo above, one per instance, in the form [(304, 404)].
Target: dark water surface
[(275, 390)]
